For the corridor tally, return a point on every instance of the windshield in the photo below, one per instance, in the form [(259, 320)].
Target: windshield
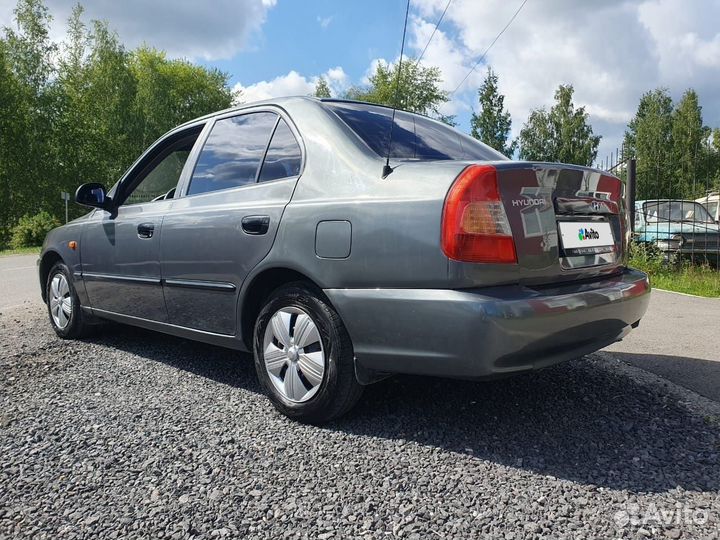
[(413, 136), (676, 211)]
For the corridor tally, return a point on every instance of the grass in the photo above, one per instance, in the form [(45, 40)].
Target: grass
[(678, 276), (20, 251)]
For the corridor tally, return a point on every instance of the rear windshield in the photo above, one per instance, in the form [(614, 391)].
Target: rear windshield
[(413, 137)]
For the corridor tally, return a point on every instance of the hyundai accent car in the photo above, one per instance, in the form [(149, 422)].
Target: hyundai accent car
[(276, 228)]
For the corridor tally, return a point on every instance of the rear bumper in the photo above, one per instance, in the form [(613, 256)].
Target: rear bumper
[(488, 332)]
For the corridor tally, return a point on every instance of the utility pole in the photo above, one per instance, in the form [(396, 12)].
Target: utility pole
[(630, 187), (65, 196)]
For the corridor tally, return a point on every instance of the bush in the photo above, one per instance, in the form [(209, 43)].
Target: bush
[(648, 258), (31, 230)]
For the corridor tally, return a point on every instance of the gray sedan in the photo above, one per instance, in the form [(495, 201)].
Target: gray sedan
[(276, 228)]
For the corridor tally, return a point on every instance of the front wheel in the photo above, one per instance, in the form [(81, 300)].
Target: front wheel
[(66, 316), (304, 357)]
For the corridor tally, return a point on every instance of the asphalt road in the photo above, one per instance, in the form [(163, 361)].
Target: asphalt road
[(18, 281), (678, 339)]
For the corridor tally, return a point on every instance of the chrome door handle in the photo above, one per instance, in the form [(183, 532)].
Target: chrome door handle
[(146, 230)]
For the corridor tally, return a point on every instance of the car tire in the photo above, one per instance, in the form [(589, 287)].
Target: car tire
[(312, 377), (64, 309)]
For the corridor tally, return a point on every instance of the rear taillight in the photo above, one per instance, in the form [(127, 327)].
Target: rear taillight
[(475, 227)]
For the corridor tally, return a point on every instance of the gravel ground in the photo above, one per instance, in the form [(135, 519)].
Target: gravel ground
[(133, 434)]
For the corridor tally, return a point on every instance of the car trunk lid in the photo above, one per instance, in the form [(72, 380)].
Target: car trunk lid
[(567, 222)]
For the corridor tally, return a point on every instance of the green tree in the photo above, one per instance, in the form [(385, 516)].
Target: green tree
[(96, 125), (13, 140), (117, 102), (29, 47), (418, 89), (562, 134), (688, 135), (29, 53), (322, 90), (650, 138), (492, 124), (713, 160), (72, 62), (71, 129), (107, 116), (87, 113), (170, 92)]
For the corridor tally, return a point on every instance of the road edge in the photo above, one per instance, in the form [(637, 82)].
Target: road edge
[(694, 402)]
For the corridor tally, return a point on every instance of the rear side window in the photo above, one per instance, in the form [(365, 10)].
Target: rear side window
[(232, 152), (283, 157), (413, 136)]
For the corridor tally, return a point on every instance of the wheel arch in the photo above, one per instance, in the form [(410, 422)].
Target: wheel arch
[(257, 291), (47, 261)]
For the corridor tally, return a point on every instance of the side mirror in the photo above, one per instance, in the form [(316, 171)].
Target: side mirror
[(93, 195)]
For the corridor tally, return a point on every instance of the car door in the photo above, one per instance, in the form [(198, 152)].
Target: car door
[(120, 250), (225, 222)]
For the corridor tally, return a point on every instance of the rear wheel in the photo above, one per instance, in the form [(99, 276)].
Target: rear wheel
[(304, 357), (66, 316)]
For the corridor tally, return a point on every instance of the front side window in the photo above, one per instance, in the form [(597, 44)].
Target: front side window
[(232, 153), (158, 180), (283, 158)]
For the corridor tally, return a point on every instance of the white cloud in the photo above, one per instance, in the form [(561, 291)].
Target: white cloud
[(686, 39), (292, 84), (324, 22), (337, 80), (183, 28), (447, 54), (610, 51)]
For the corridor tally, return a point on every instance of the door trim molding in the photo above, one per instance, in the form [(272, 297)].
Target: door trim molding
[(125, 279), (222, 286)]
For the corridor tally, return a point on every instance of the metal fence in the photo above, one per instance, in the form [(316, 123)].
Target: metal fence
[(678, 229)]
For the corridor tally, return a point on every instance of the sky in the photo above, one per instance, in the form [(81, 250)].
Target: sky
[(611, 51)]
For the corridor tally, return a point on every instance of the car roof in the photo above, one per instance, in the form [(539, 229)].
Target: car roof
[(240, 106), (282, 101)]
